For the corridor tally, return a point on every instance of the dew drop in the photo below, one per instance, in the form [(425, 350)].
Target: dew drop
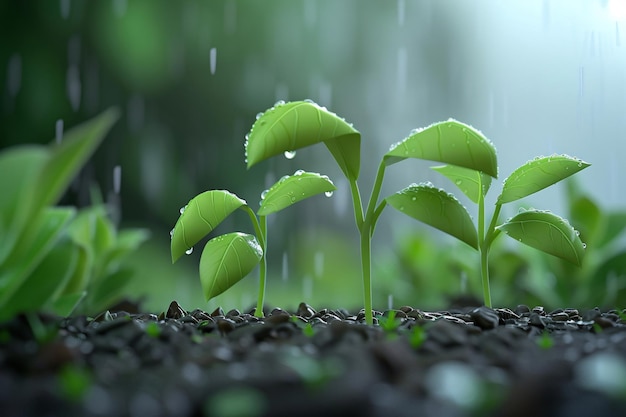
[(189, 251), (182, 209), (298, 172), (290, 154), (584, 246), (328, 193), (458, 182), (259, 115), (264, 194), (413, 198), (171, 234), (279, 103)]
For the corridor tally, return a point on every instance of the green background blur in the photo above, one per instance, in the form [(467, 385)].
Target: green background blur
[(190, 76)]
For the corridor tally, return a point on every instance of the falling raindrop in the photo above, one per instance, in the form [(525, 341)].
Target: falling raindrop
[(58, 131), (310, 12), (328, 193), (14, 74), (285, 267), (73, 86), (65, 9), (189, 251), (307, 287), (325, 93), (290, 154), (581, 81), (318, 264), (618, 42), (213, 59), (119, 7), (73, 50), (390, 301), (401, 10), (117, 179)]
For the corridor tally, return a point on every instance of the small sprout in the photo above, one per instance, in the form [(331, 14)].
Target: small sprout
[(389, 323), (417, 336), (308, 330), (153, 329), (545, 341)]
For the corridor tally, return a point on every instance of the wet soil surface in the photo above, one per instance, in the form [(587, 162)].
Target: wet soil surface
[(473, 361)]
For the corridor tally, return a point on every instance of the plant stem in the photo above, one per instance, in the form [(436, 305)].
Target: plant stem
[(485, 245), (356, 202), (260, 228), (366, 231), (262, 268)]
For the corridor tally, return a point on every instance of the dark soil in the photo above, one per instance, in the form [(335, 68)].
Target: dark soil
[(463, 362)]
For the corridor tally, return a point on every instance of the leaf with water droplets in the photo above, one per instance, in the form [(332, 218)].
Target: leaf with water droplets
[(547, 232), (538, 174), (450, 142), (291, 189), (203, 213), (227, 259), (436, 208), (295, 125), (470, 182)]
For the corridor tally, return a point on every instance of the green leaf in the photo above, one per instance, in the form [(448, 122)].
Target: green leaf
[(30, 251), (226, 259), (450, 142), (547, 232), (200, 216), (20, 167), (538, 174), (298, 124), (69, 156), (436, 208), (45, 283), (615, 225), (467, 180), (293, 188), (108, 290)]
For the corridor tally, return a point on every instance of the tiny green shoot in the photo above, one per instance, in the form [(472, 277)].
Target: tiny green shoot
[(470, 162), (389, 323), (417, 336), (545, 341)]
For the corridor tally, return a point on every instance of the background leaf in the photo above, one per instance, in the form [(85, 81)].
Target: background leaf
[(538, 174), (436, 208), (547, 232), (297, 124), (225, 260), (200, 216), (470, 182), (450, 142), (293, 188)]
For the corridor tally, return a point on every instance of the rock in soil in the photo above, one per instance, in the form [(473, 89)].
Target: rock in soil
[(473, 361)]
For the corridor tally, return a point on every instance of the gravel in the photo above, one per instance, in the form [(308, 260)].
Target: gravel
[(473, 361)]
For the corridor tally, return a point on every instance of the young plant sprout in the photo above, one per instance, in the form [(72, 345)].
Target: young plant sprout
[(471, 163), (226, 259)]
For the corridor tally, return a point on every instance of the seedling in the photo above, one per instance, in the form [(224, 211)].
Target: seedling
[(226, 259), (471, 163)]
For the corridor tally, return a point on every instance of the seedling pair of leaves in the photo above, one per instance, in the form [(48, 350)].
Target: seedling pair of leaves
[(470, 162), (47, 253)]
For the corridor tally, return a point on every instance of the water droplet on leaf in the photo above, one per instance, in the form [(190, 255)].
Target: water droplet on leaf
[(189, 251), (290, 154), (328, 193)]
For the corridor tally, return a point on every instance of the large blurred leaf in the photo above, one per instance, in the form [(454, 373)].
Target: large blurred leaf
[(293, 188), (470, 182), (108, 290), (547, 232), (44, 283), (450, 142), (30, 251), (295, 125), (200, 216), (588, 218), (225, 260), (615, 225), (436, 208), (20, 168), (538, 174)]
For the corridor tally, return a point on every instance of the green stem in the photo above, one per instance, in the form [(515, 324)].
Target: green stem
[(485, 245), (366, 230), (356, 203), (260, 228)]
